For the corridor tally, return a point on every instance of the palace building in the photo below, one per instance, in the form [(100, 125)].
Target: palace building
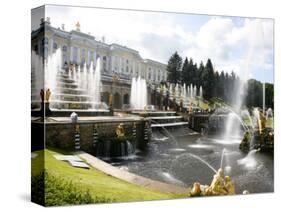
[(81, 48), (119, 63)]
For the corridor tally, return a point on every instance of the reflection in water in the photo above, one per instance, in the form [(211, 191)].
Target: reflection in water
[(175, 162)]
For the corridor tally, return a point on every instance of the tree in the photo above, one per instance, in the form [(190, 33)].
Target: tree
[(174, 68), (221, 85), (208, 78), (254, 94), (269, 95), (185, 76), (215, 84)]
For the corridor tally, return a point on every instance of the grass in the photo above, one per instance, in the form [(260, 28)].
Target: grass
[(203, 105), (200, 103), (91, 184)]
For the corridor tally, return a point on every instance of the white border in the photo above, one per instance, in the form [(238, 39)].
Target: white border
[(15, 101)]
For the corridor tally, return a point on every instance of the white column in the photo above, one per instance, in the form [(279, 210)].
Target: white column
[(71, 54), (78, 55), (112, 64), (88, 57), (120, 65)]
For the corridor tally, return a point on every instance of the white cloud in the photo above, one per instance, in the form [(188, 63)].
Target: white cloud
[(245, 49), (158, 35)]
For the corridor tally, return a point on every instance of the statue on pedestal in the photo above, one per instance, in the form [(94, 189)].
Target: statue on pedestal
[(120, 132), (48, 95), (42, 95)]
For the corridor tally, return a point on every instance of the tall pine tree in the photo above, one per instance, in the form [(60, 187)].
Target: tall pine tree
[(174, 68), (208, 80), (185, 76)]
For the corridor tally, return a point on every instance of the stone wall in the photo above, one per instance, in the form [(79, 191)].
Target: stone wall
[(198, 122), (62, 135)]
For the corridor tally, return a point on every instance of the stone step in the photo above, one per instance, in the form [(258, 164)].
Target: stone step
[(165, 117), (66, 80), (67, 85), (59, 104), (75, 91), (66, 76), (176, 124), (154, 113), (73, 97)]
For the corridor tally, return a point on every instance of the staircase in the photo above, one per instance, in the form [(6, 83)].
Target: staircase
[(67, 97), (163, 119)]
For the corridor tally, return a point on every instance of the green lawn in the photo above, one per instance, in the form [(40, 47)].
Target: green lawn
[(97, 184)]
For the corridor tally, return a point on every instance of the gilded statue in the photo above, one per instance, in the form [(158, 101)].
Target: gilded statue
[(221, 185), (48, 95), (196, 190), (120, 132), (42, 95)]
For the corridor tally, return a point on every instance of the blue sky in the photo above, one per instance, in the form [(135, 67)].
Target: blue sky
[(242, 45)]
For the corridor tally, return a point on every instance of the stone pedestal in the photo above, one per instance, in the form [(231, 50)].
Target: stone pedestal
[(45, 109)]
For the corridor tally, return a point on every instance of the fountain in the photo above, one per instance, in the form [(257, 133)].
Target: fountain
[(95, 83), (259, 136), (138, 99), (201, 92), (195, 91), (52, 68), (73, 88), (183, 91), (249, 162), (37, 79), (269, 113), (241, 86), (191, 91)]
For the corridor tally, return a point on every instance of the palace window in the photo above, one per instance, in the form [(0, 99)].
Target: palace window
[(64, 48), (35, 48), (45, 41), (104, 63), (55, 46)]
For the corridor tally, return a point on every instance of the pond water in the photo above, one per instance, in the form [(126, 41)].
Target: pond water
[(178, 160)]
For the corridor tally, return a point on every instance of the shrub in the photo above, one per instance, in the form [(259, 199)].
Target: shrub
[(60, 191)]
